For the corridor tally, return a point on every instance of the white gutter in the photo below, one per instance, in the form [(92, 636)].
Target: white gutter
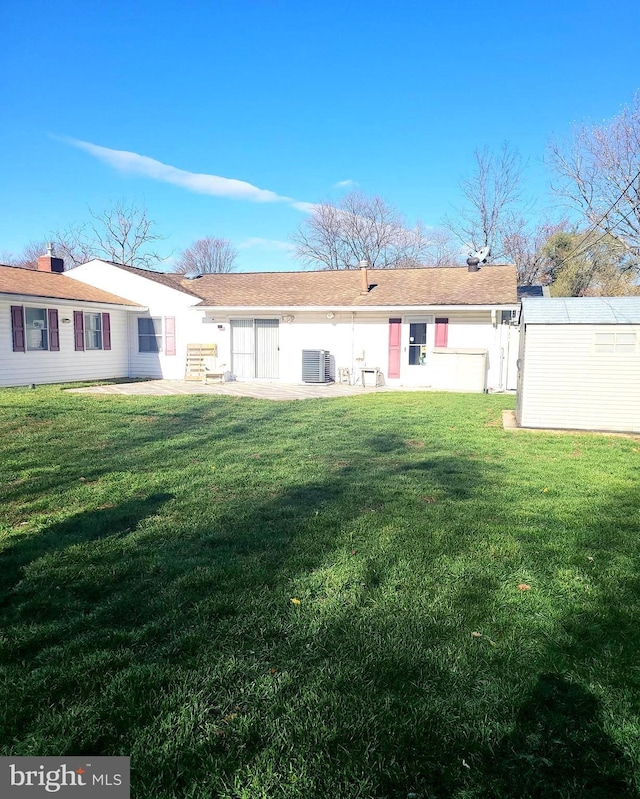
[(278, 309), (40, 298)]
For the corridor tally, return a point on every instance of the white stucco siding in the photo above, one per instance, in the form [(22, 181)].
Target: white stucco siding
[(65, 365), (161, 302), (566, 383)]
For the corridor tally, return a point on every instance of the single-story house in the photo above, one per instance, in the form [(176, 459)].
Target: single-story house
[(446, 328), (54, 329), (579, 363)]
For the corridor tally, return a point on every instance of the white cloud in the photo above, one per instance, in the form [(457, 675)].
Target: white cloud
[(266, 244), (200, 183), (345, 184)]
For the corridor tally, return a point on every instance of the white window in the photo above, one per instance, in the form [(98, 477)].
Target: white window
[(93, 331), (614, 342), (149, 334), (37, 334)]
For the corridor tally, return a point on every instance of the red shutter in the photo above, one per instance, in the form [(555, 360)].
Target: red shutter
[(106, 331), (78, 330), (17, 327), (442, 332), (169, 335), (54, 334), (395, 332)]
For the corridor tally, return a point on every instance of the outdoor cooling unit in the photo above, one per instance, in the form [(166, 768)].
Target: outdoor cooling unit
[(316, 366)]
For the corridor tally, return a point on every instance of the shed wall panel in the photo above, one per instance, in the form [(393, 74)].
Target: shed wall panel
[(568, 385)]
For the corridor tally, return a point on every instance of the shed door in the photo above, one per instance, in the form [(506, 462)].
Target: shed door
[(242, 350), (266, 347)]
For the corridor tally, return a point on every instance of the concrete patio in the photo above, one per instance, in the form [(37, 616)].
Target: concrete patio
[(257, 390)]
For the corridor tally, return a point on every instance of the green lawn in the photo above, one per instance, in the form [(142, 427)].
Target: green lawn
[(150, 550)]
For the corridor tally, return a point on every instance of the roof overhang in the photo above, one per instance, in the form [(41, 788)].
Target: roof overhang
[(276, 309), (67, 302)]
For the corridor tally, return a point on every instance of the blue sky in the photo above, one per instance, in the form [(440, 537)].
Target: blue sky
[(283, 100)]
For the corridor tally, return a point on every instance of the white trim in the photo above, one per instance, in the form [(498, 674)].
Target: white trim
[(387, 309), (65, 301)]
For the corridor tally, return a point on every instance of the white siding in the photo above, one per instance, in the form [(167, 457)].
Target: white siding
[(161, 301), (565, 384), (67, 365), (359, 341)]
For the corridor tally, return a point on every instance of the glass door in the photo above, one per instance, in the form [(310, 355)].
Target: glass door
[(418, 335)]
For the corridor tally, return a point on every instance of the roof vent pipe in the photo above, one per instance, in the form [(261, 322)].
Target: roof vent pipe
[(472, 264), (364, 288)]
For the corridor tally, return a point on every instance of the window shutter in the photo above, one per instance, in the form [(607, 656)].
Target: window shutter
[(395, 332), (442, 332), (54, 333), (169, 335), (17, 327), (78, 330), (106, 331)]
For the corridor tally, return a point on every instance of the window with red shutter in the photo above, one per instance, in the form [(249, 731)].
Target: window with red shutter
[(395, 332), (106, 331), (54, 333), (442, 332), (78, 330), (17, 327), (169, 335)]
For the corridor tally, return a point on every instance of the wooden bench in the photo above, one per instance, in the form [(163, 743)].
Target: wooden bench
[(202, 363)]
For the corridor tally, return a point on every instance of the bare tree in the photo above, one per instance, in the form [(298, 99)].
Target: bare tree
[(74, 245), (525, 247), (599, 174), (359, 228), (28, 258), (442, 249), (493, 195), (123, 234), (207, 256)]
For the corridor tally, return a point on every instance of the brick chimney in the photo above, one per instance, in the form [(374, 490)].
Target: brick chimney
[(364, 286), (49, 263)]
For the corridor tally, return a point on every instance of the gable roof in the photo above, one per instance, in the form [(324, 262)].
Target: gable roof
[(581, 311), (170, 279), (491, 285), (52, 285)]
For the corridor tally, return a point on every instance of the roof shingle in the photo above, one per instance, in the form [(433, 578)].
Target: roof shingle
[(491, 285), (15, 280)]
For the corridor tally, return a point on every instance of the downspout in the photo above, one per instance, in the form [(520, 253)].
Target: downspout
[(353, 347)]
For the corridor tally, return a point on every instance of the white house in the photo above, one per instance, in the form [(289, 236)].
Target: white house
[(54, 329), (579, 364), (447, 328)]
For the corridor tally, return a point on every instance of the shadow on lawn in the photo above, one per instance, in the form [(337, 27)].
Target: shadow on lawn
[(391, 693), (79, 530), (558, 748)]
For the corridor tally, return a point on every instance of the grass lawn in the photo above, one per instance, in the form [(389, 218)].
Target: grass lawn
[(319, 598)]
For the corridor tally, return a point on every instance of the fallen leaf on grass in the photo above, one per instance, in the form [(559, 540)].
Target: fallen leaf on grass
[(545, 490), (429, 500), (273, 671), (476, 635), (295, 601), (589, 558), (524, 587)]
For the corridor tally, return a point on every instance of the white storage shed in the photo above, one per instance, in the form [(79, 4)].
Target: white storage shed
[(579, 364)]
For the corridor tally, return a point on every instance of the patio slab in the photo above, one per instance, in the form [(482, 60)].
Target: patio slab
[(269, 391)]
